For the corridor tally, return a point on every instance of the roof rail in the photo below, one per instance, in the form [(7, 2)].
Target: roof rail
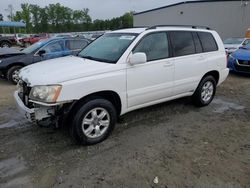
[(191, 26)]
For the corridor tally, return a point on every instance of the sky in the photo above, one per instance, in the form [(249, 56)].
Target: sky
[(99, 9)]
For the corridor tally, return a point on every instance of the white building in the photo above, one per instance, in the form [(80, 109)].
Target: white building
[(230, 18)]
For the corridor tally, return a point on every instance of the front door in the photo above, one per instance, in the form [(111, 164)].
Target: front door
[(153, 80), (52, 50)]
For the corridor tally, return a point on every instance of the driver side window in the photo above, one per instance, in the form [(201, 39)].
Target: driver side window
[(54, 47), (154, 45)]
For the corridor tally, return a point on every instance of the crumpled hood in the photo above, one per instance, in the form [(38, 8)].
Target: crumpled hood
[(56, 71), (242, 54)]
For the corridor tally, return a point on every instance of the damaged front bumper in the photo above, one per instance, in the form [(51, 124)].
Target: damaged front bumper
[(36, 114)]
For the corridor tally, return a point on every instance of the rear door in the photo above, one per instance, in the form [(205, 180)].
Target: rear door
[(190, 63)]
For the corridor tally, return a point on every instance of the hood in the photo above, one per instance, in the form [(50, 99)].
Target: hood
[(242, 54), (59, 70), (9, 52)]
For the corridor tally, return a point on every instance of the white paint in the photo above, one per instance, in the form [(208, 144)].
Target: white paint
[(138, 86)]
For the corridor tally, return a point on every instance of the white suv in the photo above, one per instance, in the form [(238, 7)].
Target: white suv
[(119, 72)]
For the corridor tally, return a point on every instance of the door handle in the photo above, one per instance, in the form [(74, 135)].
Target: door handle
[(200, 58), (168, 64)]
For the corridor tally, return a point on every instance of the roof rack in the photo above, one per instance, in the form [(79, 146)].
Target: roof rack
[(191, 26)]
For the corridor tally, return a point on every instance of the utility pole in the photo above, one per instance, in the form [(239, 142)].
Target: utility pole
[(10, 10)]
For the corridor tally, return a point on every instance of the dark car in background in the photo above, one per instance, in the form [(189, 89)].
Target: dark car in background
[(11, 63), (7, 41), (239, 61)]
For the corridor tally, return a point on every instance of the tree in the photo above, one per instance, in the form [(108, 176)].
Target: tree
[(36, 17), (57, 18), (1, 17)]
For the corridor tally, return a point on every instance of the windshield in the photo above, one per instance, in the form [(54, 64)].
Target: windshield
[(108, 48), (246, 45), (233, 41), (33, 47)]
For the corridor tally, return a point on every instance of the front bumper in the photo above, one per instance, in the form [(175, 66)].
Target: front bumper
[(36, 114), (26, 112)]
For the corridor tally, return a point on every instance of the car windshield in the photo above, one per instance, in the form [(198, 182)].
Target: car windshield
[(34, 47), (233, 41), (108, 48), (246, 46)]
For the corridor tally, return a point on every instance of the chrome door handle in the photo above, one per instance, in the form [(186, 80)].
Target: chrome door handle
[(201, 58), (168, 64)]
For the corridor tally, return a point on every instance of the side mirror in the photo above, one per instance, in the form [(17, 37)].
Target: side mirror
[(138, 58), (41, 52)]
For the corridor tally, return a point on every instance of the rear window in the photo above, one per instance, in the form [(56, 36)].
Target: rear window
[(208, 42), (182, 42)]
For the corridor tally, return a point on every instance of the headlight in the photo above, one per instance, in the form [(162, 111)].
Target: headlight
[(0, 61), (47, 94), (230, 57)]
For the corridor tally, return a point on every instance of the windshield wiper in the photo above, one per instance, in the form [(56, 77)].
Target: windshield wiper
[(98, 59)]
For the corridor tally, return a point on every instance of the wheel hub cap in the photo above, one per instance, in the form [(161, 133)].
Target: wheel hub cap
[(96, 122), (207, 91)]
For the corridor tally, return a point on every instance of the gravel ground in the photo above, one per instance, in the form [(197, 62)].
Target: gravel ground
[(169, 145)]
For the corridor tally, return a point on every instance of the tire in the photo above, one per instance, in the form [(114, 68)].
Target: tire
[(99, 115), (5, 44), (205, 92), (12, 74)]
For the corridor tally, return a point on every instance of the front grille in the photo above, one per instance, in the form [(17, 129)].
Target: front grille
[(24, 94), (241, 68), (244, 63)]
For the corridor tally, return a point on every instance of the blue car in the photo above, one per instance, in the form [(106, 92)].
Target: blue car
[(239, 61), (12, 62)]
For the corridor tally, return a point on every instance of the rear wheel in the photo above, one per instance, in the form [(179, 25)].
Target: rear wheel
[(205, 92), (13, 74), (5, 44), (93, 122)]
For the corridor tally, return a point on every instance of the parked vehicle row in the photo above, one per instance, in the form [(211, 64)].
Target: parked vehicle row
[(12, 62), (119, 72)]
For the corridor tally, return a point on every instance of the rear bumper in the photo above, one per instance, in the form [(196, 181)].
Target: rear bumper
[(223, 75)]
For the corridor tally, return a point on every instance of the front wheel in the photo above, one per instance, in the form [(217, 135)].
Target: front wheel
[(205, 92), (13, 74), (93, 122)]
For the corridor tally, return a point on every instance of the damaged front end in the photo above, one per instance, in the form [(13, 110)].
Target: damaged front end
[(37, 111)]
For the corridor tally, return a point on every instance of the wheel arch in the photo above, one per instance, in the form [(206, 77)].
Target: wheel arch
[(213, 73), (109, 95), (15, 64)]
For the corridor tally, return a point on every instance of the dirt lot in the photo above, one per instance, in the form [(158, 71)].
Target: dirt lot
[(181, 145)]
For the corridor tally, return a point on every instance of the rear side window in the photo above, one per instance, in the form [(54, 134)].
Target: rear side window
[(198, 47), (154, 45), (75, 44), (208, 42), (182, 42)]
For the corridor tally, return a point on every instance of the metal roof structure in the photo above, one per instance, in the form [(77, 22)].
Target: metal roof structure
[(185, 2), (12, 24)]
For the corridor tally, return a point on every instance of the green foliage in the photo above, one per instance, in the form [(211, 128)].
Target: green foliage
[(57, 18)]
